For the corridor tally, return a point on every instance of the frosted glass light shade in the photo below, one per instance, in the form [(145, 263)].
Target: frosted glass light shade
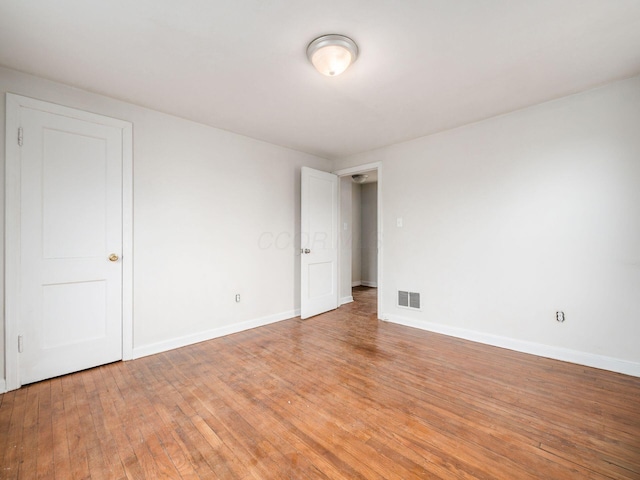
[(359, 178), (332, 54)]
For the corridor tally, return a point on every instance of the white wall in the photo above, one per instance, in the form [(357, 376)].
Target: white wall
[(510, 219), (346, 238), (215, 214), (356, 243), (369, 234)]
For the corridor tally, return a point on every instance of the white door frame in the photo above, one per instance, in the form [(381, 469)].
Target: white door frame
[(12, 225), (353, 171)]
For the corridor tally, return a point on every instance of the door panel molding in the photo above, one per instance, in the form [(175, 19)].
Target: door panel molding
[(14, 104)]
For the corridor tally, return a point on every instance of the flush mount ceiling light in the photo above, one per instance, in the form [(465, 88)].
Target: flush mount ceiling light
[(359, 178), (332, 54)]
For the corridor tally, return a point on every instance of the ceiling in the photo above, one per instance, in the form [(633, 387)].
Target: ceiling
[(425, 65)]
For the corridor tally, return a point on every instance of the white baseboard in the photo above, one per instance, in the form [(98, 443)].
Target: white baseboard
[(344, 300), (364, 283), (160, 347), (3, 385), (558, 353)]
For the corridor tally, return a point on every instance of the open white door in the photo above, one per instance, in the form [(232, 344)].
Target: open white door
[(319, 242)]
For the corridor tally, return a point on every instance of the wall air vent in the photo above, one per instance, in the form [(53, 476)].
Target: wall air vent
[(409, 299)]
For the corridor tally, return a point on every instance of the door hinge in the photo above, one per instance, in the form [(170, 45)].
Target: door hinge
[(20, 345), (20, 136)]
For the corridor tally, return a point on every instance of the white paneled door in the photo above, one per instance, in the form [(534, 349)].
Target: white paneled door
[(69, 291), (319, 242)]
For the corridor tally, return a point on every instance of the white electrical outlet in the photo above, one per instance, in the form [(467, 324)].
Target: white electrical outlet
[(559, 316), (237, 298)]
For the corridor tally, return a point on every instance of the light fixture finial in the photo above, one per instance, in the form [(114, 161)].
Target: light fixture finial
[(332, 54)]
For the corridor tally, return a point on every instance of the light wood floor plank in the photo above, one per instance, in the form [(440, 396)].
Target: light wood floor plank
[(44, 457), (14, 451)]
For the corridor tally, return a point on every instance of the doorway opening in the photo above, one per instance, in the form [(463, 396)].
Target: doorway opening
[(360, 249)]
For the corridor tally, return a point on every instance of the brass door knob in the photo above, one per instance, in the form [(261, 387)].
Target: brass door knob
[(113, 257)]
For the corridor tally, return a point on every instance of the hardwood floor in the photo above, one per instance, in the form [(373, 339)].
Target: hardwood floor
[(338, 396)]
